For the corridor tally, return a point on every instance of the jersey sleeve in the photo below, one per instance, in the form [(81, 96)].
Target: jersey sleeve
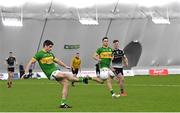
[(15, 59), (98, 51), (123, 53), (72, 62), (37, 56), (54, 58)]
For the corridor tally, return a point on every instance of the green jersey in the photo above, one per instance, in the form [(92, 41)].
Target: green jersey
[(46, 62), (105, 54)]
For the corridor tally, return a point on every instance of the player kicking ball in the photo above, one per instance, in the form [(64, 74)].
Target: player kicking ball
[(47, 60)]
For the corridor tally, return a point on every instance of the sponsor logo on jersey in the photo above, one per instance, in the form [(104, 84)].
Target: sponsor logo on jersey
[(106, 55), (47, 60)]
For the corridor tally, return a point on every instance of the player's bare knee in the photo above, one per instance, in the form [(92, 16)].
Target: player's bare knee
[(64, 82), (60, 75)]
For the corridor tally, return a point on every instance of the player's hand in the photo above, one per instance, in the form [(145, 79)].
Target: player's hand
[(99, 60), (112, 69), (25, 74), (126, 64), (67, 67)]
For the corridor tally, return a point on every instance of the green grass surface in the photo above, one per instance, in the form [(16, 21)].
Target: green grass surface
[(145, 94)]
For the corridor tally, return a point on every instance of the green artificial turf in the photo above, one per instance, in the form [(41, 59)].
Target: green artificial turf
[(145, 94)]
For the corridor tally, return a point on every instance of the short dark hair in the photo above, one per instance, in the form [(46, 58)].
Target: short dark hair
[(104, 38), (114, 41), (47, 43), (10, 52)]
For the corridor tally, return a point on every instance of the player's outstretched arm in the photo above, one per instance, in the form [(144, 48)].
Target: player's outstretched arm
[(61, 63), (32, 61), (96, 57)]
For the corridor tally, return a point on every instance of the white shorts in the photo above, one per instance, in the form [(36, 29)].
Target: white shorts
[(105, 73), (54, 74)]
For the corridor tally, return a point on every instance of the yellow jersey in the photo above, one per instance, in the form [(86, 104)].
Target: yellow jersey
[(75, 63)]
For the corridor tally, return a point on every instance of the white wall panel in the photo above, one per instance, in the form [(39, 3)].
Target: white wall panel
[(23, 41), (160, 43)]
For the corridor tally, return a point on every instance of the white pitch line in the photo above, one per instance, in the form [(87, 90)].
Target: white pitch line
[(154, 85), (95, 84)]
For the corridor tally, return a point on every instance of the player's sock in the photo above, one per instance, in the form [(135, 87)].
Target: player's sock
[(80, 79), (112, 92), (122, 90), (63, 101), (90, 78), (122, 86), (72, 84)]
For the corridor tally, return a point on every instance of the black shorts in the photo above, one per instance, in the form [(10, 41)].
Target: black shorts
[(118, 70), (75, 71), (11, 69), (98, 71)]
